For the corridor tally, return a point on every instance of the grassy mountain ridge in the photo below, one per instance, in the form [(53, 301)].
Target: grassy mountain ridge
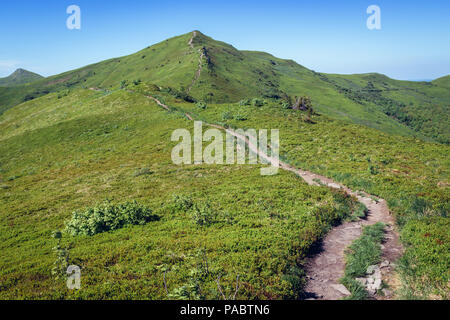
[(66, 151), (422, 106), (226, 75), (18, 77)]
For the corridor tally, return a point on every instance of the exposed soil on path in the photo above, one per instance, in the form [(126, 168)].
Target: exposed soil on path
[(326, 266), (200, 62)]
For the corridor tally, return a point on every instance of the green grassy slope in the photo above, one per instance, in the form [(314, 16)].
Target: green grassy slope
[(422, 106), (18, 77), (229, 75), (59, 154), (412, 175), (442, 82), (68, 150)]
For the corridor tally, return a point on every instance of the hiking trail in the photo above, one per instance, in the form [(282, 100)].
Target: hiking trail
[(326, 267), (200, 62)]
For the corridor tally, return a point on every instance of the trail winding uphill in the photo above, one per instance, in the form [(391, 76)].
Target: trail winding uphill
[(200, 62), (326, 267)]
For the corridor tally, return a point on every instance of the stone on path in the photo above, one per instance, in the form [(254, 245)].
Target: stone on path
[(341, 288)]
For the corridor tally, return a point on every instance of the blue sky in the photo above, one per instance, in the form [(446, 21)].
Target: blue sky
[(326, 36)]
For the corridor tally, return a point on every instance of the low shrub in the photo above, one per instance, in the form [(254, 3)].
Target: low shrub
[(227, 115), (182, 203), (257, 102), (244, 102), (201, 105), (203, 214), (107, 217)]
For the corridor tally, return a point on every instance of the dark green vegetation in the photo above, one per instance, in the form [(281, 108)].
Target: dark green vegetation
[(362, 253), (108, 217), (18, 77), (228, 75), (67, 148)]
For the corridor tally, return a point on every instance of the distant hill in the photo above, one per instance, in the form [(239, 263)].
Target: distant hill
[(215, 72), (443, 82), (18, 77), (421, 106)]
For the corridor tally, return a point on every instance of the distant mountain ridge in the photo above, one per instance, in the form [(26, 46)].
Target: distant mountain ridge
[(18, 77), (213, 71)]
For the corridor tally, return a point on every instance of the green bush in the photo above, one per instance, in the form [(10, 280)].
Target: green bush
[(182, 203), (123, 84), (240, 116), (203, 214), (107, 217), (257, 102), (245, 102), (201, 105), (227, 115)]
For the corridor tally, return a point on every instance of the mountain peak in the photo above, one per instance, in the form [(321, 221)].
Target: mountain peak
[(20, 76)]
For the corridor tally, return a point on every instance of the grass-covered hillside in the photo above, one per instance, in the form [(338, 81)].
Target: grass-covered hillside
[(71, 151), (422, 106), (225, 74), (60, 154), (412, 175), (18, 77), (88, 153)]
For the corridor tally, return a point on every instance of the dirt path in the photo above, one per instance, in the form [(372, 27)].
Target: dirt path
[(326, 267), (200, 62)]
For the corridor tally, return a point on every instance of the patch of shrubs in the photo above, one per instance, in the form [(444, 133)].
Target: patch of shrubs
[(227, 115), (108, 216), (123, 84), (258, 102), (254, 102), (179, 95), (245, 102), (201, 105), (239, 116), (202, 213), (181, 202)]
